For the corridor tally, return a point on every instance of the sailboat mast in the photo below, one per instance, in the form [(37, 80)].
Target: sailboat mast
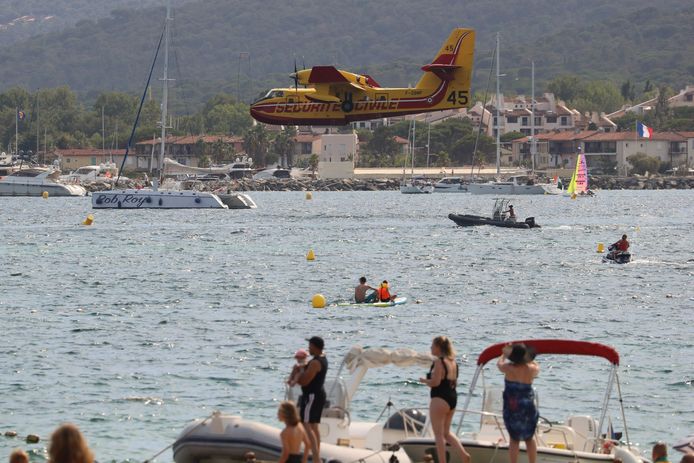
[(428, 139), (38, 119), (414, 129), (103, 133), (165, 92), (498, 103), (533, 142)]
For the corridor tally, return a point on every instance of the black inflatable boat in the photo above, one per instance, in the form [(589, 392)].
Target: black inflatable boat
[(465, 220)]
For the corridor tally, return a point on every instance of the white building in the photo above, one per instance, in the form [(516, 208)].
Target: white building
[(336, 158)]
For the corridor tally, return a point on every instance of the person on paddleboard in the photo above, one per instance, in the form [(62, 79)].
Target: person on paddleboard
[(360, 296), (384, 294)]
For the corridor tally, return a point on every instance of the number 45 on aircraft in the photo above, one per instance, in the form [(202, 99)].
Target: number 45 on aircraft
[(330, 96)]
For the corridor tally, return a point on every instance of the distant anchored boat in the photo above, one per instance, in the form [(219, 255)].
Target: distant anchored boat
[(35, 181)]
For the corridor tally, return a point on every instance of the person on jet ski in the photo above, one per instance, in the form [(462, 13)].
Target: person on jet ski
[(620, 246)]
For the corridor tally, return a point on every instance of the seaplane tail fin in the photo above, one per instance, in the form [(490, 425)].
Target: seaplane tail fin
[(453, 62)]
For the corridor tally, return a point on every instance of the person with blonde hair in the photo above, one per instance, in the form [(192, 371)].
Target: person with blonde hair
[(442, 379), (69, 446), (293, 435), (19, 456)]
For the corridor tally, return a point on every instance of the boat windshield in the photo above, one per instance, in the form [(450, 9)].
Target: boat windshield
[(27, 173)]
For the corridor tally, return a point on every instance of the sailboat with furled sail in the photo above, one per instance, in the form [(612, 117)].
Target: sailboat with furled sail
[(156, 198)]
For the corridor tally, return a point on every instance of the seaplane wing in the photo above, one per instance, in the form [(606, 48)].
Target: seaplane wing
[(336, 97)]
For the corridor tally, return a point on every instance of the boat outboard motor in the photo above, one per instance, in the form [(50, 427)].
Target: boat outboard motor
[(531, 222)]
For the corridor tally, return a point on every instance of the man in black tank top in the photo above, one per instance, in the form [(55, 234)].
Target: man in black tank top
[(313, 394)]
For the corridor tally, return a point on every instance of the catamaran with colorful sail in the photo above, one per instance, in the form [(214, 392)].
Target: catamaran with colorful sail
[(579, 180)]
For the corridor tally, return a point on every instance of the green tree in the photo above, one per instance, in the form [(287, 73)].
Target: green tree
[(256, 144), (662, 112), (284, 144), (566, 87), (628, 91), (642, 163), (313, 162)]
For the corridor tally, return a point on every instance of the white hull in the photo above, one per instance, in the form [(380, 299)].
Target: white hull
[(506, 188), (29, 189), (228, 438), (451, 189), (160, 199), (36, 181), (488, 452), (237, 201), (410, 189)]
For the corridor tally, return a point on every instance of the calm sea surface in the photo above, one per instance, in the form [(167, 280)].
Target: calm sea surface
[(148, 319)]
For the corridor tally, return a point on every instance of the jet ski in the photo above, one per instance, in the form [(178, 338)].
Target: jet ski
[(616, 256)]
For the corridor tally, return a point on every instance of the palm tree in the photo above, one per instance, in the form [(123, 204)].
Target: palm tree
[(256, 144)]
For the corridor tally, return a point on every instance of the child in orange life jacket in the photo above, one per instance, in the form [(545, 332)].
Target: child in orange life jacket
[(383, 293)]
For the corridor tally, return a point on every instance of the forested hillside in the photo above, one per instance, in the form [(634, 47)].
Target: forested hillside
[(390, 39), (21, 19)]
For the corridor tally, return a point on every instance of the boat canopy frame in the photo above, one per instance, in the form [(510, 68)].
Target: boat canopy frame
[(558, 347)]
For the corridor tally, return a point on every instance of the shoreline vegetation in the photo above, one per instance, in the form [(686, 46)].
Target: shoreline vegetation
[(308, 184)]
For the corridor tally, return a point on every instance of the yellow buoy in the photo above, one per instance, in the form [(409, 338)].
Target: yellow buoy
[(309, 195), (310, 255), (318, 301), (89, 220), (44, 195), (601, 248)]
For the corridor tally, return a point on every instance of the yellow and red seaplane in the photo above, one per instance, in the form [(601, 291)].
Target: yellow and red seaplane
[(330, 96)]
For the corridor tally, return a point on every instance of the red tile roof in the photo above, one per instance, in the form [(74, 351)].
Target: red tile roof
[(306, 138), (193, 139), (89, 152)]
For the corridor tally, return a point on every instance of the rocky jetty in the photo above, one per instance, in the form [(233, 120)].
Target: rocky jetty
[(640, 183), (307, 184)]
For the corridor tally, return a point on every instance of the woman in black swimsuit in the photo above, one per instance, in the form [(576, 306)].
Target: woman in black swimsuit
[(442, 379)]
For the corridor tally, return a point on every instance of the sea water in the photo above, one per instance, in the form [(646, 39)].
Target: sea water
[(147, 319)]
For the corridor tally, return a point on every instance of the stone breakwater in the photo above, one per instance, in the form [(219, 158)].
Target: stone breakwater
[(307, 184), (640, 183)]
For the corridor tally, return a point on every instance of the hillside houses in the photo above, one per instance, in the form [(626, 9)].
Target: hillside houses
[(606, 151)]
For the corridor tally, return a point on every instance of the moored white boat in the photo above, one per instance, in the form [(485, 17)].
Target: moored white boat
[(149, 198), (451, 185), (516, 185), (579, 438), (35, 181), (416, 187)]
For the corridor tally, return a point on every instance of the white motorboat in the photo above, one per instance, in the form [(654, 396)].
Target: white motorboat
[(228, 438), (579, 438), (7, 164), (451, 185), (516, 185), (35, 181), (85, 174), (416, 186)]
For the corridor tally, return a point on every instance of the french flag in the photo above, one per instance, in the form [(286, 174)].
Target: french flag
[(643, 130)]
